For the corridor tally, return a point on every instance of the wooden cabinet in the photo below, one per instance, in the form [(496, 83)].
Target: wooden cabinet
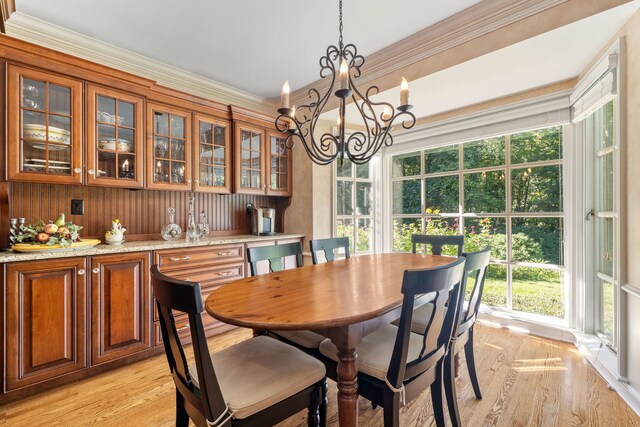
[(115, 148), (278, 165), (249, 165), (120, 303), (168, 148), (212, 155), (44, 127), (45, 320)]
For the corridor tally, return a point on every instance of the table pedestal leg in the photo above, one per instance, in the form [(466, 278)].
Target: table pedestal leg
[(347, 387)]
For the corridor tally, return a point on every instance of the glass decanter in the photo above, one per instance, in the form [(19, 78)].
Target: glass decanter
[(193, 231), (171, 231), (203, 225)]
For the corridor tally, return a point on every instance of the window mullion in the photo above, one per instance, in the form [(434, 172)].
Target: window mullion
[(507, 144)]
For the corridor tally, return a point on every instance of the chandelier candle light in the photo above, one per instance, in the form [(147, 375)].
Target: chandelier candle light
[(375, 118)]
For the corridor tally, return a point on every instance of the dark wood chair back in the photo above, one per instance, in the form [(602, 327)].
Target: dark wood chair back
[(328, 246), (204, 402), (275, 256), (437, 242), (476, 269), (442, 281)]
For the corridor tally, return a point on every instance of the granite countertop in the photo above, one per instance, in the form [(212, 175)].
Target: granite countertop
[(144, 245)]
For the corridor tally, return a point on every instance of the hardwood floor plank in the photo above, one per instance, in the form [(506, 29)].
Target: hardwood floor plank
[(525, 381)]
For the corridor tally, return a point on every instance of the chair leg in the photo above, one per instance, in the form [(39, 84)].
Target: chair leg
[(450, 387), (182, 417), (471, 364), (324, 404), (391, 409), (313, 414), (436, 396)]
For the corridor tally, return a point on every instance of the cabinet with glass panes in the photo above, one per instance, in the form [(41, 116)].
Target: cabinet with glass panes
[(212, 159), (168, 148), (278, 165), (114, 138), (249, 159), (44, 127)]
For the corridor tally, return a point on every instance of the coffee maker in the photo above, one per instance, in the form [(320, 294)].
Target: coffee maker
[(263, 221)]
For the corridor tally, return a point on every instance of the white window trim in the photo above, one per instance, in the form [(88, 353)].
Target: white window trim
[(602, 83)]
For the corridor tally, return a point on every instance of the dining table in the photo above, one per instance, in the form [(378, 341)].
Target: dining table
[(343, 300)]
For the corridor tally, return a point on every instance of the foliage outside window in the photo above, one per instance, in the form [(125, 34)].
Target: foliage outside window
[(504, 192), (354, 205)]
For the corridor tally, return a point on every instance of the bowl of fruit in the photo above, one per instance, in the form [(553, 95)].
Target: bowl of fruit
[(52, 236)]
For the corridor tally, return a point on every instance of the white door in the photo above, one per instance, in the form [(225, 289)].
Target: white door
[(602, 148)]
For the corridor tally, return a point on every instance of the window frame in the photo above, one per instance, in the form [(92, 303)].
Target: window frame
[(507, 215), (374, 216)]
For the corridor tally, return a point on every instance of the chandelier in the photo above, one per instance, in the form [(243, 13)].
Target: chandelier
[(373, 126)]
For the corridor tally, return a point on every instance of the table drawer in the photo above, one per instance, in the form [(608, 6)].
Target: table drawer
[(171, 259)]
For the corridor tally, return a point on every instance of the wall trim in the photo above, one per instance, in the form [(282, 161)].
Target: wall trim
[(469, 24), (46, 34)]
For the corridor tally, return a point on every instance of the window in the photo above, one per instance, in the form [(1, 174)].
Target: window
[(355, 204), (504, 192)]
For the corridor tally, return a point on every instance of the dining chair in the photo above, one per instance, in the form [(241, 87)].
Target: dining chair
[(305, 340), (328, 248), (274, 255), (475, 270), (437, 242), (257, 382), (394, 364)]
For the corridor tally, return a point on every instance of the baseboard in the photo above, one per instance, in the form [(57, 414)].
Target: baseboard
[(604, 362), (506, 320)]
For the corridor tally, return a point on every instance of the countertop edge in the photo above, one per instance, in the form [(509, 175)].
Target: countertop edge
[(141, 246)]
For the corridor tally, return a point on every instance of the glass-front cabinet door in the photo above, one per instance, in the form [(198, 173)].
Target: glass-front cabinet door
[(44, 127), (249, 160), (168, 148), (212, 157), (279, 165), (114, 138)]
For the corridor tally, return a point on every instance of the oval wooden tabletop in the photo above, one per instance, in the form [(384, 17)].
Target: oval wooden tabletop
[(332, 294)]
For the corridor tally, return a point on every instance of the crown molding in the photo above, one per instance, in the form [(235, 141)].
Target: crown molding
[(516, 20), (7, 7), (471, 23), (45, 34)]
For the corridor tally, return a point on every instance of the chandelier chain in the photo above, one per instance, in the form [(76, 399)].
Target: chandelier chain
[(340, 43)]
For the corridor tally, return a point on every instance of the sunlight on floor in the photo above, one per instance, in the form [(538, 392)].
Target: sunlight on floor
[(539, 365)]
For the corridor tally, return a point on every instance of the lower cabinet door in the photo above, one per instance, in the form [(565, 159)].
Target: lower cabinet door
[(46, 320), (120, 302)]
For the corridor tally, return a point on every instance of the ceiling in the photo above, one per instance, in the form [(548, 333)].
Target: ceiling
[(253, 45), (551, 57)]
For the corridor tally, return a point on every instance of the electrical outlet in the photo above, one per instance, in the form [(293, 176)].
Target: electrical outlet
[(77, 207), (249, 208)]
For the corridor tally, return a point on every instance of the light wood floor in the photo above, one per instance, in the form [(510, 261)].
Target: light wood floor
[(526, 381)]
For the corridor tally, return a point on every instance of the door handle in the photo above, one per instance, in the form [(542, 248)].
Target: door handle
[(590, 214)]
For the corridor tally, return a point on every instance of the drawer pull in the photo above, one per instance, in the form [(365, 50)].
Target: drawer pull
[(180, 258), (226, 273), (184, 328), (187, 279), (225, 253)]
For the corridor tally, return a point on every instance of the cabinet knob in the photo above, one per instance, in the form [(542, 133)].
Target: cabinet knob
[(197, 181), (188, 181), (91, 171), (95, 270), (77, 170), (81, 272)]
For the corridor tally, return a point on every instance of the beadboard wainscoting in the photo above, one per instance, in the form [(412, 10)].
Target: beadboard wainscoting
[(144, 212)]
